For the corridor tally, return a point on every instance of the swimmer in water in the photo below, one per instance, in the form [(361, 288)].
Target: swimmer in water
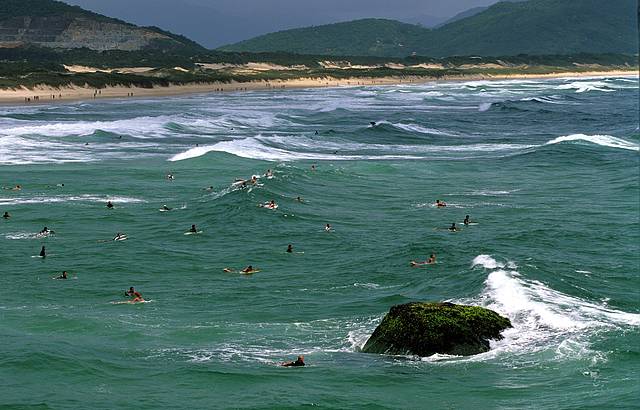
[(193, 229), (313, 167), (327, 227), (268, 174), (453, 227), (109, 205), (298, 363), (290, 248), (6, 215), (440, 204), (254, 180), (45, 231), (63, 276), (299, 199), (431, 260), (17, 188), (466, 220), (170, 176), (43, 253), (137, 297), (272, 204), (210, 188)]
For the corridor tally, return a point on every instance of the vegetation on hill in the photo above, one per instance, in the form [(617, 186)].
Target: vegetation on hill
[(506, 28)]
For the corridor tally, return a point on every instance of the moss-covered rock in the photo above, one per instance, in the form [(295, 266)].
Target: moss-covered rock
[(426, 328)]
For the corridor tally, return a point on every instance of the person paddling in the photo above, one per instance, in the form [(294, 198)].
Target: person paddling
[(43, 252), (453, 227), (137, 297), (6, 215), (109, 205), (299, 362)]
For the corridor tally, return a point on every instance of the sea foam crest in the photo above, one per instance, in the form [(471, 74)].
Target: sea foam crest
[(603, 140)]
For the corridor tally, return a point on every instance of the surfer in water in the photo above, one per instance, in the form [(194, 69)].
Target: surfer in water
[(327, 228), (466, 221), (249, 269), (453, 227), (440, 204), (193, 229), (290, 248), (119, 237), (166, 208), (299, 199), (109, 205), (297, 363), (170, 176), (6, 215), (63, 276), (268, 174), (46, 231), (43, 252), (137, 297), (272, 204)]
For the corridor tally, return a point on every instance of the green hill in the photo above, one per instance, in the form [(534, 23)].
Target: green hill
[(506, 28), (55, 24)]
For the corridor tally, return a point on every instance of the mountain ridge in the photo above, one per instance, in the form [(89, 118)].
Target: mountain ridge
[(505, 28)]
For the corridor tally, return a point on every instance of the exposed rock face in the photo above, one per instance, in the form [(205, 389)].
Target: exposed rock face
[(424, 329), (67, 31)]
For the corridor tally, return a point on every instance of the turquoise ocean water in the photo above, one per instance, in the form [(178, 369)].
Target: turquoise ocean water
[(549, 170)]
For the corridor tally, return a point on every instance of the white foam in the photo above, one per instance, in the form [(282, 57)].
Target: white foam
[(68, 198), (542, 317), (603, 140), (585, 86)]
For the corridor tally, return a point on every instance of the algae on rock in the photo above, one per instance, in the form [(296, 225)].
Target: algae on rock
[(424, 329)]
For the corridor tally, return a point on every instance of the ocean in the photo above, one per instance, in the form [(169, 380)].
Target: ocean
[(547, 169)]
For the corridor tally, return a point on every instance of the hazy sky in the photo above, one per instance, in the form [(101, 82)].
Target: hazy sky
[(216, 22)]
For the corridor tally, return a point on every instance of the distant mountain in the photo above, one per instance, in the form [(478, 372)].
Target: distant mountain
[(507, 28), (50, 23), (464, 15)]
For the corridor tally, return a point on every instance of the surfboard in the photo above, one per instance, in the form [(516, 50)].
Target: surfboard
[(469, 224), (164, 210), (192, 233), (122, 238), (129, 302), (249, 273)]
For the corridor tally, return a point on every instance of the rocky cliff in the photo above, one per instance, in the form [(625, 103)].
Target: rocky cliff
[(55, 24)]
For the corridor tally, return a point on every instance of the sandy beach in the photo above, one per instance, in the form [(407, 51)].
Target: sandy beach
[(47, 94)]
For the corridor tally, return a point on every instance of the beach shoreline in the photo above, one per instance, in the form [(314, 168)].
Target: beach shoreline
[(49, 94)]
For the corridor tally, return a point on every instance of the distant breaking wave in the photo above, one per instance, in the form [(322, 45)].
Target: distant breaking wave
[(292, 148), (603, 140)]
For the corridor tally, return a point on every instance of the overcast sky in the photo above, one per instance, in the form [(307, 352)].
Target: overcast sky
[(214, 23)]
